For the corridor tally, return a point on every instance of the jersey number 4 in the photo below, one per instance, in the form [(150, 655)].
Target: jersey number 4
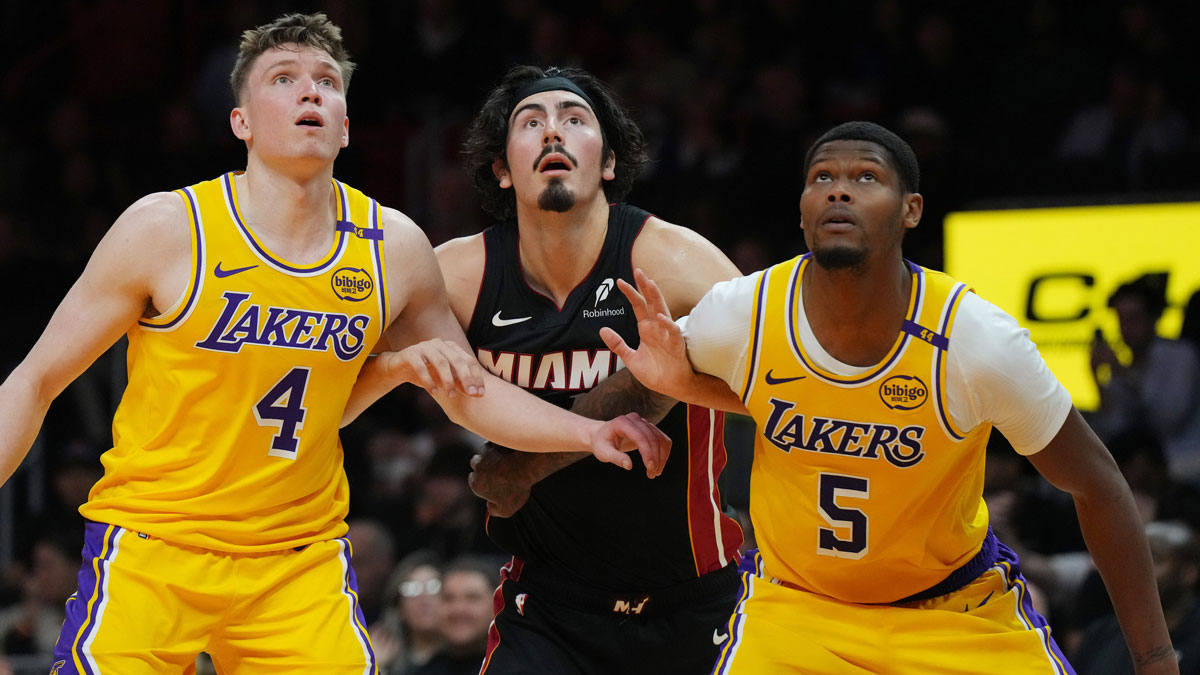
[(830, 487), (283, 407)]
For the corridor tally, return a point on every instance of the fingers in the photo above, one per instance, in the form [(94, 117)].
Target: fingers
[(655, 300), (607, 452), (636, 299), (650, 441), (439, 366), (616, 344), (628, 432)]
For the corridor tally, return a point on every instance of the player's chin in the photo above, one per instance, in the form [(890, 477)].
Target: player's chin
[(839, 255)]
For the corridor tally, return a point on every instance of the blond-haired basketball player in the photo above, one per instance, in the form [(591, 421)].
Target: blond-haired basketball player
[(874, 384), (251, 302)]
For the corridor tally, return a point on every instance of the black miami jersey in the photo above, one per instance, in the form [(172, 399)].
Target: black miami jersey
[(592, 522)]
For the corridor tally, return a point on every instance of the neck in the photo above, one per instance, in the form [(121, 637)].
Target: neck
[(558, 250), (857, 313), (293, 213)]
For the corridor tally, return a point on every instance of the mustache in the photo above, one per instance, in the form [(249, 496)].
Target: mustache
[(554, 148)]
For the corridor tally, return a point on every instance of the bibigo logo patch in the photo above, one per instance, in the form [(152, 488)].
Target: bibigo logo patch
[(352, 284), (903, 392)]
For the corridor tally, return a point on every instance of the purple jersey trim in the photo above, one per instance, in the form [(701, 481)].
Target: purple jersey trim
[(85, 607), (939, 367), (377, 249), (1008, 562), (339, 248), (756, 338), (793, 312), (350, 590), (198, 272)]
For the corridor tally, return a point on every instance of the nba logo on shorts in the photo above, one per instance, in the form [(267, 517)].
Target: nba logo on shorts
[(521, 603)]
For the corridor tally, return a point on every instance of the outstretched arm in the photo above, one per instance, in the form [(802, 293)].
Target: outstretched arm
[(1077, 462), (106, 300), (505, 414), (685, 266)]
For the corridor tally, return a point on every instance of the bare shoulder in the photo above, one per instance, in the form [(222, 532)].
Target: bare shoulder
[(683, 263), (159, 218), (666, 245), (462, 261), (156, 232), (463, 251), (400, 231)]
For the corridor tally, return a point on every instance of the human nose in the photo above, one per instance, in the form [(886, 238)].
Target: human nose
[(310, 92), (839, 191), (551, 133)]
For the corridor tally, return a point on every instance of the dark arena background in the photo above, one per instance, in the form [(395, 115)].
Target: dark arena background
[(1059, 149)]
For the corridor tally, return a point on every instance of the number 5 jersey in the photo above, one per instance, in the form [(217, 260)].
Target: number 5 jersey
[(867, 482), (227, 435)]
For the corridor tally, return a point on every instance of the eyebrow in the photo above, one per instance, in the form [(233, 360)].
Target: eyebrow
[(562, 105), (290, 63)]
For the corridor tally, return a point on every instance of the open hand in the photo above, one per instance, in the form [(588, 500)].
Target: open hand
[(660, 362)]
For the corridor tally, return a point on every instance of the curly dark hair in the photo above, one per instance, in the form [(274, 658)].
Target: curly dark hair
[(487, 137)]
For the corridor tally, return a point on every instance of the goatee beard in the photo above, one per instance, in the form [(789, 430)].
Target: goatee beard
[(839, 258), (556, 197)]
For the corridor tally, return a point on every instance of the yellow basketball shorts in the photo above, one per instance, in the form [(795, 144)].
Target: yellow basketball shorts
[(147, 606), (987, 626)]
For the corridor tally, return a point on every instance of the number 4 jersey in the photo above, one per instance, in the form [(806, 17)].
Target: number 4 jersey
[(227, 435), (867, 481)]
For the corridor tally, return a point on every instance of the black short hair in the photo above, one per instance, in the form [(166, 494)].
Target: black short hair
[(487, 137), (1149, 289), (903, 158)]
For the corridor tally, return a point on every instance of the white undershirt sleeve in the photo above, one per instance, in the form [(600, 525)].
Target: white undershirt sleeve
[(996, 374), (718, 330)]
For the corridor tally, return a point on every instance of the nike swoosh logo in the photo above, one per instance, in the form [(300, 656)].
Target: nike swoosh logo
[(718, 638), (501, 323), (780, 380), (221, 274)]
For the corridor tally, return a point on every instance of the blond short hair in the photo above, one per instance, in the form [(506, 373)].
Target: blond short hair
[(306, 30)]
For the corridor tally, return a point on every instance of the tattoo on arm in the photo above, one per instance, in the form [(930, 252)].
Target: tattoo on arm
[(1155, 655), (619, 394)]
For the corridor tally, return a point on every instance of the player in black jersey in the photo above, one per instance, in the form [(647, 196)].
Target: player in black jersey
[(611, 572)]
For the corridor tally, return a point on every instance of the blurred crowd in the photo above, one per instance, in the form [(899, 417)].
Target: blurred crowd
[(1029, 101)]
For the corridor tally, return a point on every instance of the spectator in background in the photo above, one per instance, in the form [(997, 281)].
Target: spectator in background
[(374, 553), (408, 632), (1120, 136), (1190, 330), (1176, 553), (445, 516), (31, 626), (1159, 387), (467, 587)]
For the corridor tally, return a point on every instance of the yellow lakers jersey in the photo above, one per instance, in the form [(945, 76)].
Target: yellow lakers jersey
[(862, 487), (227, 435)]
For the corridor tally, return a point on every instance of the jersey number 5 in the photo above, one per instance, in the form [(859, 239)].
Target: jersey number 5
[(830, 487), (283, 407)]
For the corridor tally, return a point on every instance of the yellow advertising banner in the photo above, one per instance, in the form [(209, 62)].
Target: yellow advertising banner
[(1053, 269)]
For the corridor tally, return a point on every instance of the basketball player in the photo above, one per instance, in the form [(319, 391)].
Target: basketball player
[(250, 302), (874, 384), (553, 153)]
